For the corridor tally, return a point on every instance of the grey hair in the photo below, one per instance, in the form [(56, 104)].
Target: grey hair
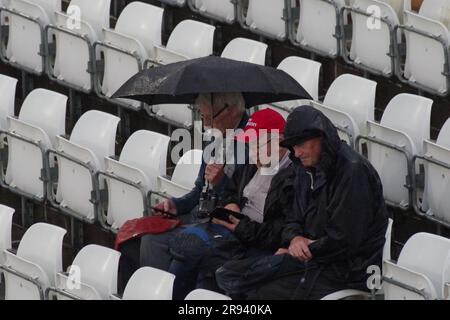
[(222, 99)]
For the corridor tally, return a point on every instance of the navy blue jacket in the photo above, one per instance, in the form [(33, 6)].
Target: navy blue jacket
[(187, 203)]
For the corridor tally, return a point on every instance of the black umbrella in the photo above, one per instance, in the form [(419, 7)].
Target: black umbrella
[(181, 82)]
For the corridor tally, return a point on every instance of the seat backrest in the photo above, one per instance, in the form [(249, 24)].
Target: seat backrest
[(425, 58), (93, 139), (42, 9), (25, 38), (143, 22), (96, 131), (304, 71), (95, 13), (406, 124), (221, 9), (41, 118), (192, 38), (436, 10), (417, 111), (317, 25), (49, 6), (98, 268), (443, 138), (187, 168), (267, 16), (6, 215), (397, 5), (142, 160), (355, 96), (427, 254), (371, 46), (7, 98), (47, 110), (437, 178), (42, 245), (247, 50), (203, 294), (149, 284), (147, 151), (87, 18)]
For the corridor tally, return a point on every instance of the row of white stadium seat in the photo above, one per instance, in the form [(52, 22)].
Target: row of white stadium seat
[(374, 32), (71, 173), (34, 271)]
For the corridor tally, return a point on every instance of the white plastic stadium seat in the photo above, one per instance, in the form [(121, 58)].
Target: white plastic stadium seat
[(39, 257), (7, 98), (437, 178), (6, 215), (435, 10), (184, 175), (92, 275), (138, 30), (92, 139), (247, 50), (41, 118), (142, 160), (405, 124), (149, 284), (371, 43), (349, 104), (304, 71), (25, 36), (203, 294), (317, 26), (265, 17), (223, 11), (423, 265), (425, 58), (190, 39), (72, 54)]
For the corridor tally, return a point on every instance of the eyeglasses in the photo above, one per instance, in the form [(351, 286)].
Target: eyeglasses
[(214, 115)]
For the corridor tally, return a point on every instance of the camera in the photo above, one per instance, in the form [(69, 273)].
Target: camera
[(207, 203)]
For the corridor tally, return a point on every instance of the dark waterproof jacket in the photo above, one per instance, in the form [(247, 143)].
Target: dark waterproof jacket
[(339, 204), (265, 235)]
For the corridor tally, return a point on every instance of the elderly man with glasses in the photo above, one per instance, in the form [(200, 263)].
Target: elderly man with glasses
[(224, 112)]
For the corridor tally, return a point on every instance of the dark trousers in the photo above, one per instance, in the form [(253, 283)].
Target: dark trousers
[(296, 280)]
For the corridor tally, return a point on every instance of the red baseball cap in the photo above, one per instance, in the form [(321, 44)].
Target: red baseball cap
[(263, 121)]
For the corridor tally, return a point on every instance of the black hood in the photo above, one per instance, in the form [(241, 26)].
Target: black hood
[(305, 121)]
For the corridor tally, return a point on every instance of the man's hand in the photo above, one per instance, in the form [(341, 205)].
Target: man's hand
[(230, 226), (167, 205), (214, 173), (299, 248), (281, 251), (233, 207)]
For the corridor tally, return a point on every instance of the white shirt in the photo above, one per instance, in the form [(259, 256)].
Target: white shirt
[(258, 187)]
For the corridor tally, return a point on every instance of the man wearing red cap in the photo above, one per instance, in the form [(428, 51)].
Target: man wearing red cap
[(262, 192)]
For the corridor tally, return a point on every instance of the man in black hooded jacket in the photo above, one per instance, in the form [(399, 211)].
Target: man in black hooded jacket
[(336, 228)]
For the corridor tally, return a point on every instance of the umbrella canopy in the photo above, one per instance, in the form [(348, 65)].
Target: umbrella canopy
[(181, 82)]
